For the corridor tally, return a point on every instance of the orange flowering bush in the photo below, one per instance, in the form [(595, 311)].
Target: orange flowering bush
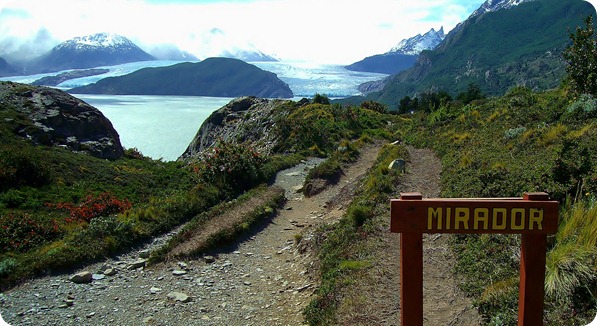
[(103, 204)]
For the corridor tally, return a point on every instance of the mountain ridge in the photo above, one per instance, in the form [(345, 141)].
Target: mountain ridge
[(419, 43)]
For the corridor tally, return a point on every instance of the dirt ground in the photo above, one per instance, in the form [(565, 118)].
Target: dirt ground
[(379, 287)]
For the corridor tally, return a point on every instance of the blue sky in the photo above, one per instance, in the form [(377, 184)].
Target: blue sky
[(324, 31)]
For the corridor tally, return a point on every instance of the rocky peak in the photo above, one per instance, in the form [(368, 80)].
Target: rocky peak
[(419, 43), (495, 5), (245, 119), (55, 118)]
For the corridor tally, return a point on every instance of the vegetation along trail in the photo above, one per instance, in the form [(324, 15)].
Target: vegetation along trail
[(263, 278)]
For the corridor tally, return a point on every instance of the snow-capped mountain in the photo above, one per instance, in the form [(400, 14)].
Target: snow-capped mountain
[(217, 43), (495, 5), (418, 43), (91, 51), (100, 40), (402, 56)]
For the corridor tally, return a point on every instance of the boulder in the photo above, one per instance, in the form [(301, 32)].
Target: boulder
[(138, 263), (54, 118)]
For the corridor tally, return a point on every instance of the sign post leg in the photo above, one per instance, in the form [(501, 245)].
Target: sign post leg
[(411, 279), (411, 273), (532, 273), (532, 279)]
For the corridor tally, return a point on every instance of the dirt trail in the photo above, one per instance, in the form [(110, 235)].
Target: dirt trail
[(261, 280), (443, 302)]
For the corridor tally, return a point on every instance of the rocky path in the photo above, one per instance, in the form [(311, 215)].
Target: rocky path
[(262, 280)]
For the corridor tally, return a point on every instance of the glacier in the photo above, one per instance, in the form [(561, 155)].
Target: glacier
[(305, 79)]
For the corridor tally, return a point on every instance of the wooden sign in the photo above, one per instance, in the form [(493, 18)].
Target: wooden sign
[(534, 216), (500, 215)]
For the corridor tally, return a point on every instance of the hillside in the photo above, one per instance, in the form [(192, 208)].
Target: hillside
[(85, 208), (7, 69), (496, 51), (222, 77)]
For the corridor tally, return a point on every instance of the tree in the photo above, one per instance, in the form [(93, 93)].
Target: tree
[(374, 106), (472, 93), (581, 56), (321, 99)]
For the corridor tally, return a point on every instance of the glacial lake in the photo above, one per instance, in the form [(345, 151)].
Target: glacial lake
[(158, 126)]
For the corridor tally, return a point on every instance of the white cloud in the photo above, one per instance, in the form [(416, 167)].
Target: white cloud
[(335, 31)]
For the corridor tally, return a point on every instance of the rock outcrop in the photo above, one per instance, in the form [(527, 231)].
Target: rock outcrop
[(245, 119), (52, 117)]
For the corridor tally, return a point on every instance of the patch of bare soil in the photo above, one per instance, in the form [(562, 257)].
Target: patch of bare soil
[(199, 238), (375, 299)]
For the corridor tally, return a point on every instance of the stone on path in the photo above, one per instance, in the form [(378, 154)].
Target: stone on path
[(177, 272), (110, 272), (138, 263), (97, 277), (179, 296), (82, 277)]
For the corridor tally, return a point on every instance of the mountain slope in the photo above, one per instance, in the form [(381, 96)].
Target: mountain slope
[(496, 51), (6, 69), (90, 51), (402, 56), (221, 77)]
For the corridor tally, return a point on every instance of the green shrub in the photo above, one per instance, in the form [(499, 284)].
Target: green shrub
[(22, 166), (13, 198), (514, 132), (7, 265), (374, 106), (585, 107), (359, 214), (234, 167), (321, 99), (20, 232)]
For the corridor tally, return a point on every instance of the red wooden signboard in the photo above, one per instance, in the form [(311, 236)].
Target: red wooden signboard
[(534, 216)]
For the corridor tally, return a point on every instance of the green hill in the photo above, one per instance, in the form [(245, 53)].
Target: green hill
[(495, 51), (221, 77)]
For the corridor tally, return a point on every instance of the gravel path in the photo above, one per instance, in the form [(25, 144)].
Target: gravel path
[(263, 279)]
